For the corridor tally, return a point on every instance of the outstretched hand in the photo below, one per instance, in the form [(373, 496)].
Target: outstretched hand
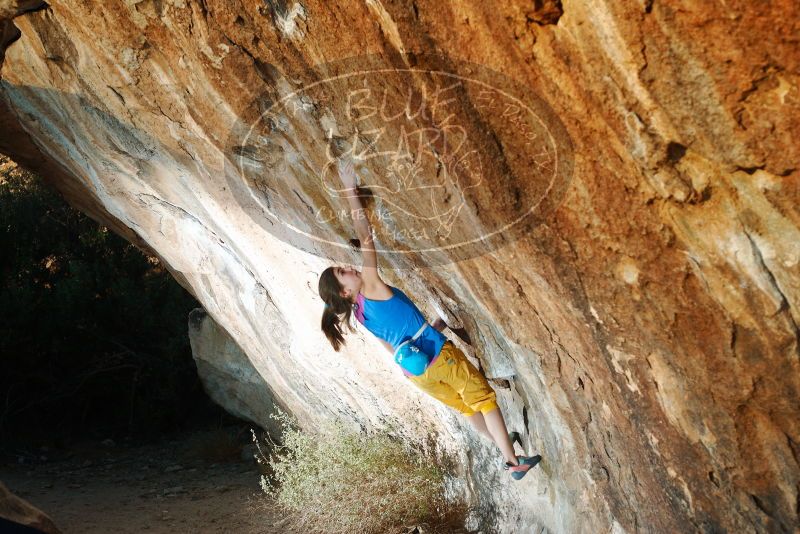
[(347, 173)]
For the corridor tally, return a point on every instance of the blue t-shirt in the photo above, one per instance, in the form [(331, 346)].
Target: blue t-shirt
[(396, 320)]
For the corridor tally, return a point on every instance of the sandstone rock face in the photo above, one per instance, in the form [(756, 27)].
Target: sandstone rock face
[(227, 374), (641, 319), (18, 515)]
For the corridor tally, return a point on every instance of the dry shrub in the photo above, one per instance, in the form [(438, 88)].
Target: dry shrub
[(345, 481)]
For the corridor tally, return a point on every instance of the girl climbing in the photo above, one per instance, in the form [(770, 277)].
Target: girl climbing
[(446, 373)]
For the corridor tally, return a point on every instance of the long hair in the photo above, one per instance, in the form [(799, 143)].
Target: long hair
[(338, 309)]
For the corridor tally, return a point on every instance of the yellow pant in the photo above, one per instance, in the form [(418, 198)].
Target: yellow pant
[(456, 382)]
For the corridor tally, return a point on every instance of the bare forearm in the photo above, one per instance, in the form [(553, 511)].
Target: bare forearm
[(358, 214), (439, 324)]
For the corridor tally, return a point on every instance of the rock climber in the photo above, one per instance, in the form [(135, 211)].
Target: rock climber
[(386, 311)]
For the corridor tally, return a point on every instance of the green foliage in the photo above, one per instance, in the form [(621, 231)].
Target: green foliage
[(338, 480), (92, 331)]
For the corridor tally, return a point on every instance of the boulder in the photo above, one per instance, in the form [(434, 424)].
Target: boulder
[(228, 375), (601, 197), (21, 517)]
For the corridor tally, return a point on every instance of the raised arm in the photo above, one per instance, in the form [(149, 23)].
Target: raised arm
[(347, 175), (374, 287)]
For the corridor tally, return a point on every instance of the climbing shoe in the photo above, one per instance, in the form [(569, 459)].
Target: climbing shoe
[(526, 463)]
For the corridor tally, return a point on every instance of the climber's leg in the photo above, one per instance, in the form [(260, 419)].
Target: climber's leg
[(479, 423), (441, 392), (454, 369), (497, 428)]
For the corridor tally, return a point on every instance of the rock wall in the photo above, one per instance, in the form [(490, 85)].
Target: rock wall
[(640, 326), (228, 375), (18, 515)]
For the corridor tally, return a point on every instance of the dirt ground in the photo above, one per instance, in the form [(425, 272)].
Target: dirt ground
[(204, 481)]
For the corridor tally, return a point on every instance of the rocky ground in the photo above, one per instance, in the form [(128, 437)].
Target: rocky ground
[(202, 481)]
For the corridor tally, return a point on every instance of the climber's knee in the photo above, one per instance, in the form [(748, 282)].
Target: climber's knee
[(486, 406)]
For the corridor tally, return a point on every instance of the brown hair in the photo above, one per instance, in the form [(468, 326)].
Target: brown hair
[(338, 309)]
